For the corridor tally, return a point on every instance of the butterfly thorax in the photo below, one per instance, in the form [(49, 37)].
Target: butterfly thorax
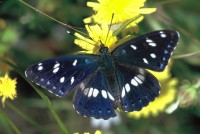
[(107, 64), (106, 61)]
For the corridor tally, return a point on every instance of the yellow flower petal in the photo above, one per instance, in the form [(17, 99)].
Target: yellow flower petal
[(7, 88), (98, 35), (98, 132), (123, 10)]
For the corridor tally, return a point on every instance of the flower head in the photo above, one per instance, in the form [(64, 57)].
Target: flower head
[(123, 10), (97, 35), (96, 132), (7, 88), (167, 96)]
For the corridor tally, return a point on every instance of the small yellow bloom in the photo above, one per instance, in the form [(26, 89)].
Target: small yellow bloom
[(167, 95), (96, 132), (7, 88), (97, 36), (123, 10)]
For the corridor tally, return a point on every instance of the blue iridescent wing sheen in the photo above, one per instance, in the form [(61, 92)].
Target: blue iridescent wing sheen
[(61, 75), (93, 97), (151, 51), (138, 87)]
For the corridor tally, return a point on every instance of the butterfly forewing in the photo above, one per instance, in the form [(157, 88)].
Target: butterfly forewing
[(150, 51), (61, 75), (93, 97), (138, 87)]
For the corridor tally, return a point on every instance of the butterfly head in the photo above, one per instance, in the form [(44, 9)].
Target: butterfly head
[(103, 50)]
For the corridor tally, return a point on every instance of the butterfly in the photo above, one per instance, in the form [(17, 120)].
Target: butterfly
[(110, 80)]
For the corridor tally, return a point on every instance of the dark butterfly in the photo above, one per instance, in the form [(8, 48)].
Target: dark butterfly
[(109, 80)]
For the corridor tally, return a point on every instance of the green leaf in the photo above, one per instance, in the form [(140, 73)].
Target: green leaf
[(6, 118)]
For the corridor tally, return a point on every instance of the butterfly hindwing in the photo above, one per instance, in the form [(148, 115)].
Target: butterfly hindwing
[(151, 51), (93, 97), (61, 75), (138, 88)]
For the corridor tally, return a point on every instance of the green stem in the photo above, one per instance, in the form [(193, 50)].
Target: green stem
[(14, 127), (44, 97), (25, 117)]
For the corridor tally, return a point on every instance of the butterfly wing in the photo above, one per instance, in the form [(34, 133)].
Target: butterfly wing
[(93, 97), (150, 51), (61, 75), (138, 87)]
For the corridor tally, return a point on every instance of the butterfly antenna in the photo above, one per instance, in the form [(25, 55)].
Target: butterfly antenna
[(109, 27), (70, 28), (64, 24)]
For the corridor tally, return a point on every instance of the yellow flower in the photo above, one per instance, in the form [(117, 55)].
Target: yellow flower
[(96, 132), (167, 95), (7, 88), (123, 10), (97, 36)]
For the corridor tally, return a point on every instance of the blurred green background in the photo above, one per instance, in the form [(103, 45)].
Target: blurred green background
[(27, 37)]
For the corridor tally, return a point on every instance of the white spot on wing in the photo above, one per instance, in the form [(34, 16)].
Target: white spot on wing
[(74, 63), (95, 92), (141, 77), (127, 87), (62, 79), (148, 40), (104, 94), (39, 64), (90, 92), (40, 68), (153, 55), (161, 32), (134, 82), (86, 91), (48, 83), (72, 80), (152, 44), (138, 80), (145, 60), (123, 92), (56, 65), (134, 47), (163, 35), (141, 70), (82, 86), (56, 70), (110, 96)]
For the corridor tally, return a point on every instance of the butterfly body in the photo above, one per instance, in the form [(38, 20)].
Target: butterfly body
[(110, 80)]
